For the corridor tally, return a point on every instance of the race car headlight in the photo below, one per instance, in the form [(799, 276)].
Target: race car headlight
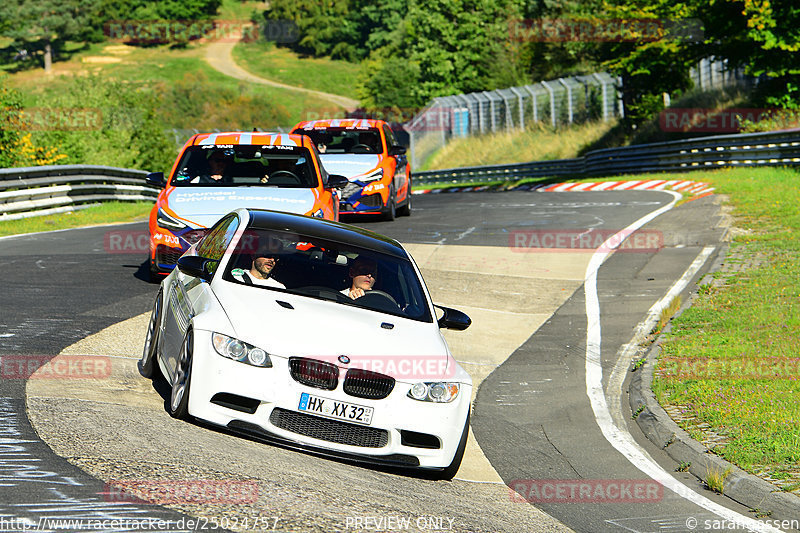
[(437, 392), (166, 221), (378, 174), (240, 351), (318, 214)]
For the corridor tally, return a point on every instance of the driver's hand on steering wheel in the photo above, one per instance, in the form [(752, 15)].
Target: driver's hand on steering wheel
[(356, 293)]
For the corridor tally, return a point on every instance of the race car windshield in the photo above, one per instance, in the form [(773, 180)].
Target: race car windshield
[(328, 270), (245, 165), (345, 140)]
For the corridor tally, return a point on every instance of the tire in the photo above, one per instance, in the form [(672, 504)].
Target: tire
[(148, 365), (178, 405), (391, 207), (405, 210), (450, 472)]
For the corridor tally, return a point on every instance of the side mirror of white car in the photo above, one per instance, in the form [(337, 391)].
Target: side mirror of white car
[(453, 319)]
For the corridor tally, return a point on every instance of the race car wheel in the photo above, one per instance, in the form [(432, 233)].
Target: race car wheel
[(179, 397), (452, 470), (148, 366), (405, 210), (391, 206)]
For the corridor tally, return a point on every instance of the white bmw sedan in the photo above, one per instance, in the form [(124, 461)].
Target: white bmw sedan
[(319, 334)]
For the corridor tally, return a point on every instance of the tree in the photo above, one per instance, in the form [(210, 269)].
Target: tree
[(448, 47), (45, 24)]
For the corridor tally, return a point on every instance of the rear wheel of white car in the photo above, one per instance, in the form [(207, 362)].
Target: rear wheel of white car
[(450, 471), (148, 366), (179, 397)]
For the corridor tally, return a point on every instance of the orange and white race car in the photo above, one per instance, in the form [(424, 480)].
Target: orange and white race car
[(366, 152), (216, 173)]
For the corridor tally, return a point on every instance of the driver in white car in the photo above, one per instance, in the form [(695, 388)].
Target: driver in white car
[(260, 273), (363, 273)]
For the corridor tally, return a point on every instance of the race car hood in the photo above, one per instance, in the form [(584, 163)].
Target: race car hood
[(205, 205), (349, 165), (325, 330)]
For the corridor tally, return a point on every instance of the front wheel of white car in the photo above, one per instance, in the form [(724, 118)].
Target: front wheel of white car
[(179, 396), (452, 470), (148, 366)]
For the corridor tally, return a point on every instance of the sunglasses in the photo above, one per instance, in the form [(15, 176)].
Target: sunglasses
[(362, 272)]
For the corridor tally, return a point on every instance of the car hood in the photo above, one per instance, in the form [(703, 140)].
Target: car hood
[(325, 330), (205, 205), (349, 165)]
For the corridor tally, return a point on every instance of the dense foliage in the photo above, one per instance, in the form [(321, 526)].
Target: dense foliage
[(43, 26), (418, 49)]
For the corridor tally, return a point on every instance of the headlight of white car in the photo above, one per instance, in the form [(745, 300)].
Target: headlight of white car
[(437, 392), (378, 174), (166, 221), (240, 351)]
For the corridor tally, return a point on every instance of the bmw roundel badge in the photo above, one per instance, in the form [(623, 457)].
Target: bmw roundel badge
[(344, 359)]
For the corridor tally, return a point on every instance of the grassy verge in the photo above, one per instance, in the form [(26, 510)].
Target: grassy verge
[(729, 364), (268, 61), (195, 95), (107, 213), (536, 143)]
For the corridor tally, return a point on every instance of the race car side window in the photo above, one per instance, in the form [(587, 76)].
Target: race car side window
[(390, 140), (216, 241)]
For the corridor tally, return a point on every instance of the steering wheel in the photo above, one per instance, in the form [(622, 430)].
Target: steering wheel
[(285, 174), (361, 148)]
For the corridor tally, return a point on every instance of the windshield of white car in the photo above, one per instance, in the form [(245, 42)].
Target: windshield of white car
[(345, 140), (245, 165), (325, 270)]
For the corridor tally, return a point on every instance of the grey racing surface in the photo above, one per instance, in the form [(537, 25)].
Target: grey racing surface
[(531, 418), (59, 287)]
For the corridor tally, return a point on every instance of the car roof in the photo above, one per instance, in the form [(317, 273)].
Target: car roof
[(357, 123), (325, 229), (249, 138)]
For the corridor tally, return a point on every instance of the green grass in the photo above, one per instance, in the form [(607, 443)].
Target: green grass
[(751, 319), (252, 106), (268, 61), (239, 9), (107, 213), (536, 143)]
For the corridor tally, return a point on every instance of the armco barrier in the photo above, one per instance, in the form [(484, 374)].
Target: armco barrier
[(35, 191), (704, 153)]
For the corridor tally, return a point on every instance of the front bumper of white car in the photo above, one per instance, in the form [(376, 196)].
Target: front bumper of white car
[(265, 402)]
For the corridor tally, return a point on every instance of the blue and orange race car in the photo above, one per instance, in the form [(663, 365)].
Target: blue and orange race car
[(216, 173), (366, 152)]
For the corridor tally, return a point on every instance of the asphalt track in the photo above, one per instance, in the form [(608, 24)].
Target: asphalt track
[(532, 417)]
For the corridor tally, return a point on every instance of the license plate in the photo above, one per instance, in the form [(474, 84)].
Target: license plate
[(347, 412)]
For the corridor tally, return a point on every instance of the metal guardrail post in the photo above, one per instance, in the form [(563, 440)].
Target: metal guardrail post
[(552, 103), (570, 112), (521, 107)]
